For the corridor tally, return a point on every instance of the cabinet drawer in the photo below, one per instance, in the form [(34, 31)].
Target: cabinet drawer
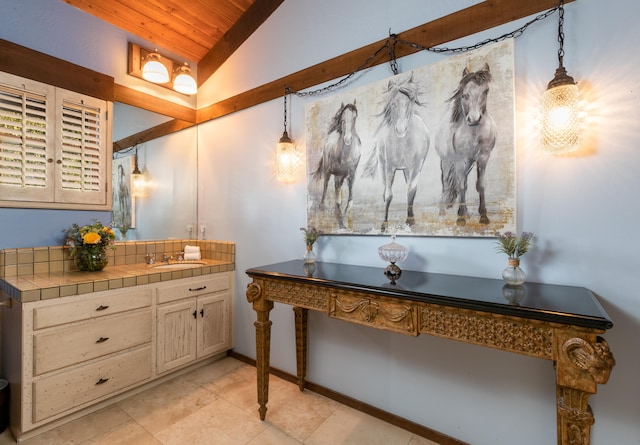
[(379, 312), (55, 313), (192, 287), (56, 394), (74, 344)]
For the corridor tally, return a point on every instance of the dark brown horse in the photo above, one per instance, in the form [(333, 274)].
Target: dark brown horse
[(340, 158)]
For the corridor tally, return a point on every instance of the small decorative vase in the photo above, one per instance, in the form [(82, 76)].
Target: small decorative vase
[(309, 255), (91, 260), (393, 253), (513, 274)]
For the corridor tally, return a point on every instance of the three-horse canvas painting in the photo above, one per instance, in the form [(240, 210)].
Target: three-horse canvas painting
[(426, 152)]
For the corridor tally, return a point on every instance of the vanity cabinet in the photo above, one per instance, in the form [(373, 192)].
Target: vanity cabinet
[(64, 356), (81, 349), (193, 320)]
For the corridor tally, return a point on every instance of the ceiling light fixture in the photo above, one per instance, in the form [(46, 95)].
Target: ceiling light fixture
[(560, 103)]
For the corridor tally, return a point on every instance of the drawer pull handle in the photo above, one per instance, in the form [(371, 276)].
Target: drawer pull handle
[(101, 381), (198, 288), (102, 308), (195, 314), (102, 339)]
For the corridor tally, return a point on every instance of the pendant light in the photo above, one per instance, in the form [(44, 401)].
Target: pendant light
[(560, 103), (138, 181), (286, 156)]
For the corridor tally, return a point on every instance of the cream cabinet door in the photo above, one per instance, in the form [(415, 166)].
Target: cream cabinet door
[(176, 334), (213, 324)]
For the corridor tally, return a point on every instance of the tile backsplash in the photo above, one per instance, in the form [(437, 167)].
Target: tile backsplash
[(56, 259)]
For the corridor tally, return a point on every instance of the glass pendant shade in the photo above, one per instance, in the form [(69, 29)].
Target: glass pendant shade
[(138, 185), (286, 159), (138, 181), (184, 83), (561, 118), (154, 70)]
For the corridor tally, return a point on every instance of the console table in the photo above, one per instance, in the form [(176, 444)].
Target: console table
[(551, 322)]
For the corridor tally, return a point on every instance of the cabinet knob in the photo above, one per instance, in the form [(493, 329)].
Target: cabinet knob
[(102, 339), (102, 308), (195, 314), (101, 381), (202, 312)]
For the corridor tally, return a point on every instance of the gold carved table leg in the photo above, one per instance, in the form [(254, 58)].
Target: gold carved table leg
[(301, 316), (582, 362), (263, 342)]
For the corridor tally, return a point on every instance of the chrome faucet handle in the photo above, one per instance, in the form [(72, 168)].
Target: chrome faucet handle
[(150, 258), (180, 255)]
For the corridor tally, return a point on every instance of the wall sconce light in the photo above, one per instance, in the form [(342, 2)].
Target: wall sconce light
[(286, 155), (138, 180), (151, 66), (153, 70), (184, 83), (560, 105)]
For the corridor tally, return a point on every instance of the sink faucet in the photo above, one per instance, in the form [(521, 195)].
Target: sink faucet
[(165, 258)]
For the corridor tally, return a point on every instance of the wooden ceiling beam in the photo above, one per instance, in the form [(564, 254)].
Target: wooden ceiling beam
[(468, 21), (149, 102), (152, 133), (26, 62)]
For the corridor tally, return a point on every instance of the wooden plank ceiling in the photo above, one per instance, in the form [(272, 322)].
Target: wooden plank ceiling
[(205, 32)]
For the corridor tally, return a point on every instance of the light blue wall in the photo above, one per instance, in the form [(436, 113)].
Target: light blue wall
[(33, 227), (583, 209)]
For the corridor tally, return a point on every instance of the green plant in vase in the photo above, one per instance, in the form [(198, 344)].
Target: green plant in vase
[(311, 235), (514, 246)]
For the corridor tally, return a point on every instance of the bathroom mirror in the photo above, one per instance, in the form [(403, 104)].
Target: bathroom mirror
[(169, 164)]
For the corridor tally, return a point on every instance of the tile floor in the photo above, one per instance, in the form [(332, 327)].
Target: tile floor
[(216, 404)]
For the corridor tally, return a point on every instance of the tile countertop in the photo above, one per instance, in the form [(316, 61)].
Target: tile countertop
[(43, 286)]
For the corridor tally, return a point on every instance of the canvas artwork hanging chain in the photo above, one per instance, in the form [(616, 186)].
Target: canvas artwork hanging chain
[(393, 40)]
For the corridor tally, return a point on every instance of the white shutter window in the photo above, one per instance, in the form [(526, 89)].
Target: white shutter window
[(26, 134), (55, 147)]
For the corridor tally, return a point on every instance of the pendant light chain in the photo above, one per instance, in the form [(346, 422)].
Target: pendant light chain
[(393, 40), (561, 32), (287, 91)]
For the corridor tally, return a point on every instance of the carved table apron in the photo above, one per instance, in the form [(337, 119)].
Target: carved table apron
[(558, 323)]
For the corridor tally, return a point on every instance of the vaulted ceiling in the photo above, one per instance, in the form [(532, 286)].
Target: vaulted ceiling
[(205, 32)]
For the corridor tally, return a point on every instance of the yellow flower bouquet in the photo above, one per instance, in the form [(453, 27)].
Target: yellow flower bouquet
[(89, 244)]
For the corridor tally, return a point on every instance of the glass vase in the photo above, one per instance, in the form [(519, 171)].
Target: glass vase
[(513, 274), (309, 256), (91, 259)]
